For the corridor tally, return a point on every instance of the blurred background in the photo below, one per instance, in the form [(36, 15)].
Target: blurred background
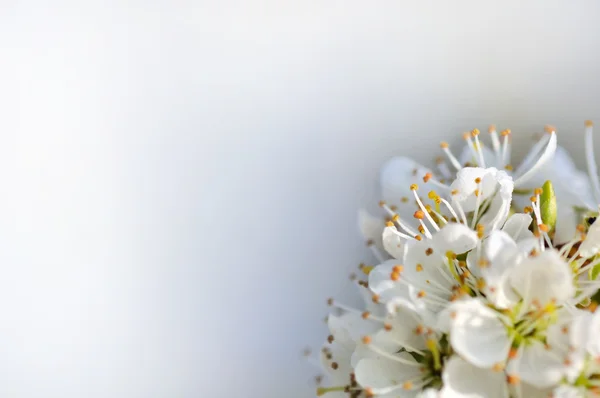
[(179, 180)]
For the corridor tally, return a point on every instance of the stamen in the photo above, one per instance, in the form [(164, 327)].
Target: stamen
[(467, 137), (505, 152), (453, 160), (425, 212), (460, 210), (495, 142), (478, 195), (396, 219), (475, 134), (445, 202), (443, 168)]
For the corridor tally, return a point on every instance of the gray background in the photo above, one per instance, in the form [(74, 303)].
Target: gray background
[(179, 180)]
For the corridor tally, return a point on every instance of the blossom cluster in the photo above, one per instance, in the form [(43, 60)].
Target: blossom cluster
[(484, 280)]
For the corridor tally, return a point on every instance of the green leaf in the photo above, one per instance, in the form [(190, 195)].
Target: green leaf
[(594, 272), (548, 205)]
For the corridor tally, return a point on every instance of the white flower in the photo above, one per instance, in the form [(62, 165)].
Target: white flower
[(408, 356), (400, 174), (488, 337), (574, 189), (342, 351), (428, 273)]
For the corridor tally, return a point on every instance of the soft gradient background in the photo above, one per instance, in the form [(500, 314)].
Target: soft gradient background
[(179, 179)]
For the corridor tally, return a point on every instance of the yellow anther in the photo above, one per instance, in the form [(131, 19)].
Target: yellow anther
[(419, 267), (367, 269), (543, 227), (549, 129), (419, 215), (475, 132), (477, 180), (414, 187), (589, 123), (492, 128), (389, 224), (466, 135), (538, 191), (508, 167), (533, 199), (432, 195), (513, 379), (498, 367), (381, 203), (505, 133), (454, 192), (443, 145), (395, 217)]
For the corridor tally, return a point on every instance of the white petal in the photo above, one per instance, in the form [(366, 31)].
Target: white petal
[(429, 393), (465, 186), (396, 177), (566, 224), (565, 391), (567, 339), (591, 245), (539, 366), (477, 334), (367, 296), (392, 243), (338, 327), (404, 323), (454, 237), (341, 356), (529, 391), (593, 344), (545, 157), (496, 214), (463, 380), (381, 341), (358, 327), (426, 270), (543, 278), (500, 248), (371, 227), (517, 226), (381, 283), (382, 373)]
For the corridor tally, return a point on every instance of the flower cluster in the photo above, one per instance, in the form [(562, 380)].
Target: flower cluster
[(484, 279)]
